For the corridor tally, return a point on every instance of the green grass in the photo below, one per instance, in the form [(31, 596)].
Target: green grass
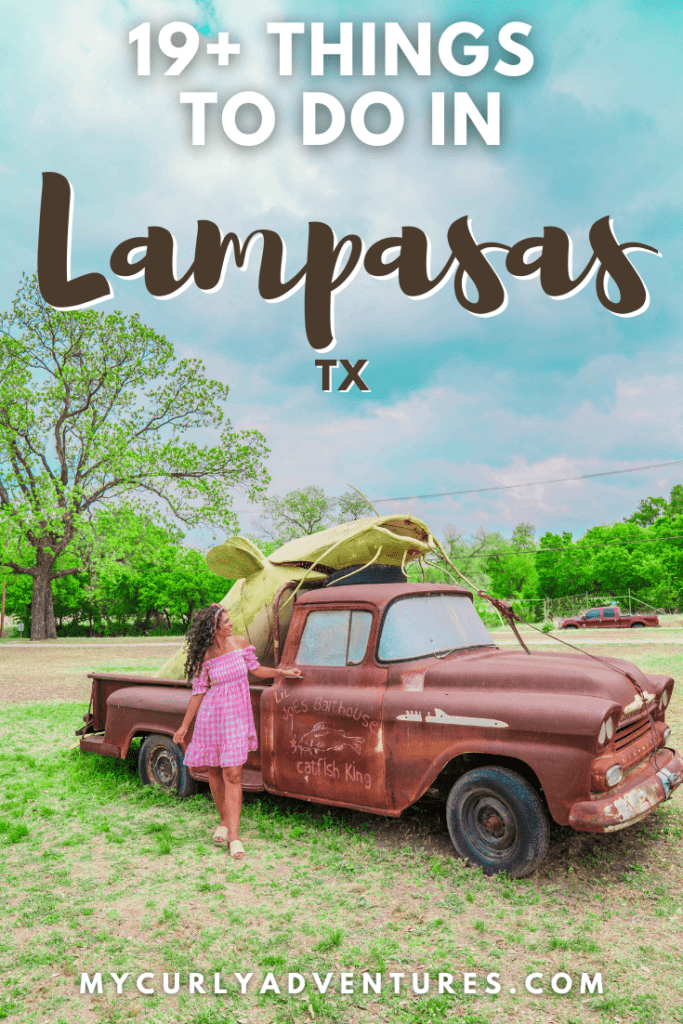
[(103, 874)]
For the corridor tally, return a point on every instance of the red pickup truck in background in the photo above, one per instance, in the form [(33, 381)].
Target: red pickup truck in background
[(610, 617), (404, 692)]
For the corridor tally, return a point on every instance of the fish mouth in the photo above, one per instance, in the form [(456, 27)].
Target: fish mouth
[(327, 569), (408, 530)]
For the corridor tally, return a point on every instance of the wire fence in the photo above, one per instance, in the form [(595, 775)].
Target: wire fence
[(547, 608)]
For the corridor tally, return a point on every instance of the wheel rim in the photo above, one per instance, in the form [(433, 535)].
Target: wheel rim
[(489, 826), (162, 768)]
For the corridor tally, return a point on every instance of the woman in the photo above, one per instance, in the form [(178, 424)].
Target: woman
[(224, 733)]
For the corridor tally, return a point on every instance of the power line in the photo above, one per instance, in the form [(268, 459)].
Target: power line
[(507, 487), (530, 483)]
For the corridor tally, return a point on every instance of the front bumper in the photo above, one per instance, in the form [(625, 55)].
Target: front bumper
[(633, 799)]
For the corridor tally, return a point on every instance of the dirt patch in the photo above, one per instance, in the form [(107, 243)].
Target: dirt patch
[(59, 670)]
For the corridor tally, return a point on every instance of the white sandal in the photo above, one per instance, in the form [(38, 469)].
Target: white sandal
[(236, 849), (220, 836)]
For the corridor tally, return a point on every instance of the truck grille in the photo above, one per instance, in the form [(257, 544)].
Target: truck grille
[(632, 730)]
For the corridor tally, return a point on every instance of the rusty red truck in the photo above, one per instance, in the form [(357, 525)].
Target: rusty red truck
[(404, 692), (610, 617)]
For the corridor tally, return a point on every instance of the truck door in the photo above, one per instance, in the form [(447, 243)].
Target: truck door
[(324, 738), (609, 618), (592, 618)]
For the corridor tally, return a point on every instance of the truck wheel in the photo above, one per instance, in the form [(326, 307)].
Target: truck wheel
[(637, 625), (570, 627), (497, 821), (162, 764)]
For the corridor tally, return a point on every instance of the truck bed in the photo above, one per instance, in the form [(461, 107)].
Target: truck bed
[(145, 705)]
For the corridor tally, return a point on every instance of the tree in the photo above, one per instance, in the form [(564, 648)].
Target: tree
[(300, 512), (469, 556), (138, 574), (651, 509), (511, 564), (560, 565), (94, 407), (308, 510), (147, 574), (613, 559), (353, 505)]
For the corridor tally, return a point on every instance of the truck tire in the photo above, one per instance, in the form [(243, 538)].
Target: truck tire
[(570, 627), (637, 625), (496, 820), (162, 764)]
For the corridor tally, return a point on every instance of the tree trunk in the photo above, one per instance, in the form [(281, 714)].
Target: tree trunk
[(42, 610)]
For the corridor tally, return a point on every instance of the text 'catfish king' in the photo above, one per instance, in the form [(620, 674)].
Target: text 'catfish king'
[(331, 265)]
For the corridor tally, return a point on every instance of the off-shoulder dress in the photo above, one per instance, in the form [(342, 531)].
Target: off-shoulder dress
[(224, 730)]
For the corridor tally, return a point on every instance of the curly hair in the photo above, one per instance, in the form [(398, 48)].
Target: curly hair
[(199, 638)]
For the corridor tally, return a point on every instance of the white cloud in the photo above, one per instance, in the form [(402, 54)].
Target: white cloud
[(517, 397)]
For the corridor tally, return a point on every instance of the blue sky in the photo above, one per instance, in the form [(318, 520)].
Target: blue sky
[(545, 389)]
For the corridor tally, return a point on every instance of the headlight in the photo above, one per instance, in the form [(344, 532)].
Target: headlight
[(665, 736), (665, 699), (606, 732), (614, 775)]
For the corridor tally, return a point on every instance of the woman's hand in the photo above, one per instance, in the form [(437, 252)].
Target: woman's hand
[(293, 673), (180, 735)]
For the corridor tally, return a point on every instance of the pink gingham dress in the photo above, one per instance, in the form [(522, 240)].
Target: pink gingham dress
[(224, 730)]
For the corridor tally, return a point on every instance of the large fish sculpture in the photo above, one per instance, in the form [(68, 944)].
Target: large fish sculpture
[(386, 540)]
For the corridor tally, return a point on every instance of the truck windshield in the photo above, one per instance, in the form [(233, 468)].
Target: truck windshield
[(427, 624)]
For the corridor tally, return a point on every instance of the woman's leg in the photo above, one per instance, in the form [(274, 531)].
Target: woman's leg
[(232, 783), (217, 786)]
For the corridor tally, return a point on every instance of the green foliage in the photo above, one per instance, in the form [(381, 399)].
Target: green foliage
[(306, 511), (651, 509), (511, 567), (299, 512), (637, 555), (139, 578), (616, 558), (94, 407), (353, 505), (501, 567)]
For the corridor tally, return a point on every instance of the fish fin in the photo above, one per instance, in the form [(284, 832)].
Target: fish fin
[(237, 558)]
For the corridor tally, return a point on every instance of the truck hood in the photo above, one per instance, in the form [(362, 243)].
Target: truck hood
[(540, 673)]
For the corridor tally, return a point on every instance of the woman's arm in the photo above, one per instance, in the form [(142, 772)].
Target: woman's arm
[(260, 671), (269, 673), (192, 709)]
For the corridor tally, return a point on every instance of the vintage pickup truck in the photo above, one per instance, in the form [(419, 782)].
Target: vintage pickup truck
[(404, 692), (610, 617)]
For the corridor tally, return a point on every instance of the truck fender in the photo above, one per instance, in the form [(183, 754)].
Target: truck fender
[(140, 710), (561, 774)]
